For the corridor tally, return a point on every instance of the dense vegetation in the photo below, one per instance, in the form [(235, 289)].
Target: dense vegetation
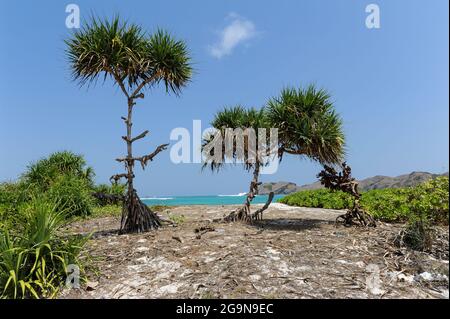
[(34, 255), (428, 200), (34, 259)]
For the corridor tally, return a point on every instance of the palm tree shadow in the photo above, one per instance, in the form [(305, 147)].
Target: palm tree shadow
[(293, 224)]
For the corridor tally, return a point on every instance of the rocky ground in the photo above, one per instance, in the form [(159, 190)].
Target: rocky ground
[(293, 253)]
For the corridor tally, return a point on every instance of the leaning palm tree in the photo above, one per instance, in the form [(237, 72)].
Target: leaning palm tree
[(134, 61), (308, 125), (236, 140)]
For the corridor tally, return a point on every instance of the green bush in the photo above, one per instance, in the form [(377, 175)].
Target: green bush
[(389, 204), (43, 173), (429, 206), (62, 177), (34, 259), (12, 196), (320, 198), (429, 201), (72, 195), (113, 189), (106, 210)]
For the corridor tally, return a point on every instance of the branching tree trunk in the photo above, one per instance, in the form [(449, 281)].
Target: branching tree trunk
[(244, 213), (136, 61), (136, 216), (344, 181)]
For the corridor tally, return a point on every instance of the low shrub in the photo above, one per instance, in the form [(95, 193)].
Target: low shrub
[(116, 190), (159, 208), (428, 204), (43, 173), (73, 195), (177, 219), (34, 260), (106, 211), (429, 201), (320, 198), (62, 177), (390, 205), (12, 196)]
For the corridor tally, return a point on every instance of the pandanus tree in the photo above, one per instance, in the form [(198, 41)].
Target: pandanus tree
[(135, 61), (239, 139), (307, 126)]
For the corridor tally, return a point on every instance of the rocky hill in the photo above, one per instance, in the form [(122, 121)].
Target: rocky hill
[(278, 188), (375, 182)]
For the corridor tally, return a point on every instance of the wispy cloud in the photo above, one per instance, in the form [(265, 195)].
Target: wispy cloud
[(238, 31)]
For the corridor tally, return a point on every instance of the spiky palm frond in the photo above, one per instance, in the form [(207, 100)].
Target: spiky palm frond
[(226, 122), (168, 61), (127, 54), (47, 170), (307, 124)]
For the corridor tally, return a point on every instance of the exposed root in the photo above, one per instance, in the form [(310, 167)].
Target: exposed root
[(244, 214), (258, 215), (137, 217), (203, 230), (356, 216), (344, 182)]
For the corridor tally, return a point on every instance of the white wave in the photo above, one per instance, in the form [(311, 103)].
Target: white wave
[(237, 195)]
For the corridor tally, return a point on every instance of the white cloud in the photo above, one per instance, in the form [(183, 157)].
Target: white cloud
[(238, 31)]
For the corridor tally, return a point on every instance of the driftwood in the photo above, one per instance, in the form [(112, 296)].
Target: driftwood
[(344, 182), (203, 230)]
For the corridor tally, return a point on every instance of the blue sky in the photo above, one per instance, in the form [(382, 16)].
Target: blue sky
[(390, 85)]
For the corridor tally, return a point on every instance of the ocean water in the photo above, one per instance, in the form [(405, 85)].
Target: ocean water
[(206, 200)]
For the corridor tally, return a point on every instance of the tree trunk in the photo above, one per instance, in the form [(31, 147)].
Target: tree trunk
[(244, 213), (136, 216)]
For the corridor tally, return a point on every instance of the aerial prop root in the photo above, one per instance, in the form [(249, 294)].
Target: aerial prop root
[(244, 214), (137, 217)]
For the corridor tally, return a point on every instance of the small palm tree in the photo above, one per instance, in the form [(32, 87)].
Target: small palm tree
[(307, 125), (226, 122), (135, 61)]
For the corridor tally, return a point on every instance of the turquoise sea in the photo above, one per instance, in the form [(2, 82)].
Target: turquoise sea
[(206, 200)]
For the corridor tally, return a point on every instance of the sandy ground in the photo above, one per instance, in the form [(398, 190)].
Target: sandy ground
[(293, 253)]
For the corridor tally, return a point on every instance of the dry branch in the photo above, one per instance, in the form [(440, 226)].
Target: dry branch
[(344, 182), (115, 178), (144, 159)]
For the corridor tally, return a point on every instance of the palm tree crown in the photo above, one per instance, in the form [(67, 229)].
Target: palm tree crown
[(237, 117), (307, 124), (127, 54)]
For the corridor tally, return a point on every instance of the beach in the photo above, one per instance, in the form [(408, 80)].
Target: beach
[(293, 252)]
